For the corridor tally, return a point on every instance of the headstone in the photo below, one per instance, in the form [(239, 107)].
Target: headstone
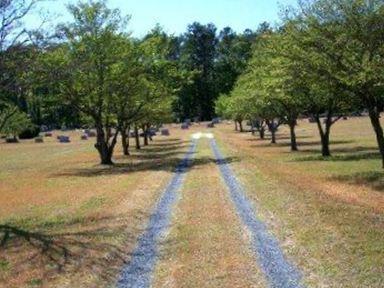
[(345, 118), (165, 132), (90, 133), (64, 139), (84, 136), (48, 134), (39, 140), (132, 134), (184, 126), (152, 132), (11, 140), (216, 120), (43, 128), (211, 125), (188, 122)]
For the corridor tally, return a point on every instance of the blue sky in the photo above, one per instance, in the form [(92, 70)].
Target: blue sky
[(175, 15)]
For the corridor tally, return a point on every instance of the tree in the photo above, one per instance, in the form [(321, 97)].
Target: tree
[(13, 121), (86, 68), (340, 43), (12, 37), (198, 54)]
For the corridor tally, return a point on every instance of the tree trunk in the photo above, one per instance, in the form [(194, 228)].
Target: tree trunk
[(262, 132), (324, 135), (241, 126), (375, 121), (125, 140), (325, 151), (272, 128), (149, 134), (105, 150), (252, 128), (273, 133), (292, 126), (145, 133), (137, 138)]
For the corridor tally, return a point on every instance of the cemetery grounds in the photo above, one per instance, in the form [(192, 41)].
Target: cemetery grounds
[(67, 222)]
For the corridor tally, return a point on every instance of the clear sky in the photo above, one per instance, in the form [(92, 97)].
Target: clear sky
[(175, 15)]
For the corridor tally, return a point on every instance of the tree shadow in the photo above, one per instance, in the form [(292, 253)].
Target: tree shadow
[(347, 155), (278, 137), (164, 155), (165, 162), (90, 247), (372, 179), (304, 144)]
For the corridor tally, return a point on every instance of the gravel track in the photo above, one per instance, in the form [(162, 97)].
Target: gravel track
[(278, 271), (138, 272)]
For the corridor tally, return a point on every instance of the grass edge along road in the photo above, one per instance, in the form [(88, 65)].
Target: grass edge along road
[(138, 272)]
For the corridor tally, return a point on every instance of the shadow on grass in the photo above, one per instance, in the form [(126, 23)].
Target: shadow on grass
[(340, 157), (164, 155), (279, 138), (94, 247), (166, 163), (372, 179), (303, 144)]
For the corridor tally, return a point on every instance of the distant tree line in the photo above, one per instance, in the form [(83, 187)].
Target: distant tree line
[(325, 61), (91, 73)]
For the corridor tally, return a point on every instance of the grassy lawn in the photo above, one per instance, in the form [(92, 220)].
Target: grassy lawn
[(66, 221), (328, 213)]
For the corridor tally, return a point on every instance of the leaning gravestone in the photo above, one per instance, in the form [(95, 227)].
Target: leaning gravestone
[(165, 132), (84, 136), (184, 126), (64, 139), (39, 139)]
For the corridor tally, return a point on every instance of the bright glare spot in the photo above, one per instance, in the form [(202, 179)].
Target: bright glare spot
[(197, 135), (201, 135)]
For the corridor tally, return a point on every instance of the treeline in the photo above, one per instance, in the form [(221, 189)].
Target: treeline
[(325, 61), (206, 63), (91, 73)]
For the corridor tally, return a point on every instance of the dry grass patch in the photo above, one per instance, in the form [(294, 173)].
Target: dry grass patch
[(67, 222), (333, 229)]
